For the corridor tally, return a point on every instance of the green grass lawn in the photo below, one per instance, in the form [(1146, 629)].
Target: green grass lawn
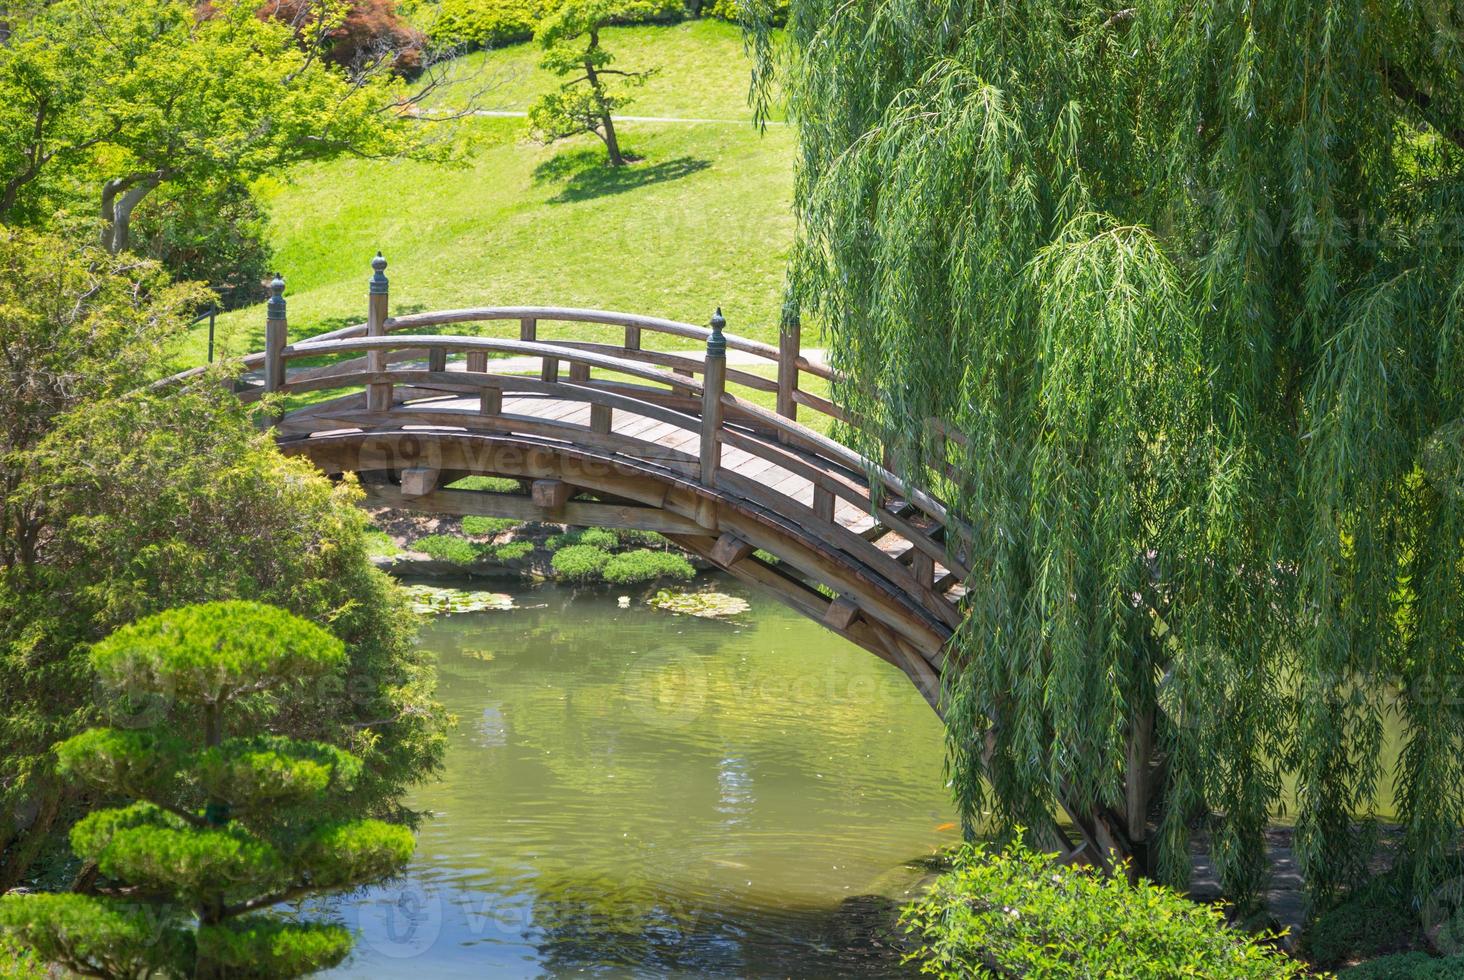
[(703, 220)]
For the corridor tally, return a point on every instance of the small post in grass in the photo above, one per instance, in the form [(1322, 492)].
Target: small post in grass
[(714, 382), (378, 393)]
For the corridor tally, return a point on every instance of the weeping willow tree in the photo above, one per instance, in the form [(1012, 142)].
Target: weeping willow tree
[(1166, 301)]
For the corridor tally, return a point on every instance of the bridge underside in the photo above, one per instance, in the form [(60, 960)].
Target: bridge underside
[(570, 485)]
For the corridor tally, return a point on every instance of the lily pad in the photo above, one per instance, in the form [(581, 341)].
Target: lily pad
[(430, 600), (707, 605)]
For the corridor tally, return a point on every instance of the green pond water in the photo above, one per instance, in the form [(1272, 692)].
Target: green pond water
[(635, 793)]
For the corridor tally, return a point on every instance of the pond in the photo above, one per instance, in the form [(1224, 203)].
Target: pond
[(631, 792)]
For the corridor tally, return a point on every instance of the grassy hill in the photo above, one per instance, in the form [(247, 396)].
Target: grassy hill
[(704, 219)]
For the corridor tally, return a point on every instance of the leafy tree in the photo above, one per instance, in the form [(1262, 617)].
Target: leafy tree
[(1186, 280), (119, 505), (126, 98), (570, 37), (228, 819)]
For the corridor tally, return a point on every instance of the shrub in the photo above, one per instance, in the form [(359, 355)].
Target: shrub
[(1371, 921), (480, 23), (19, 964), (1407, 966), (448, 547), (218, 237), (511, 551), (379, 544), (727, 10), (596, 537), (644, 539), (642, 565), (580, 562), (488, 484), (483, 526), (1019, 913)]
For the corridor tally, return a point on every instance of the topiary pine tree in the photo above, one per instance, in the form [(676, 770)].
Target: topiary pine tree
[(586, 104), (228, 819)]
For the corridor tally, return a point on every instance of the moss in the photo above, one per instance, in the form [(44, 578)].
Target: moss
[(448, 547), (643, 565), (479, 527), (644, 539), (580, 562)]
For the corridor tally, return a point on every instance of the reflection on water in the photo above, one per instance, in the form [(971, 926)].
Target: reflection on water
[(634, 793)]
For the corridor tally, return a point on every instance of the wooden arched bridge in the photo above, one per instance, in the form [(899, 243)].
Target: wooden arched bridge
[(632, 431), (635, 430)]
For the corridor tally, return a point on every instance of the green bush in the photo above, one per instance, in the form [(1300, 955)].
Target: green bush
[(487, 484), (511, 551), (1373, 920), (480, 23), (595, 537), (727, 10), (19, 964), (580, 562), (379, 544), (483, 526), (1022, 914), (642, 565), (644, 539), (448, 547), (1407, 966)]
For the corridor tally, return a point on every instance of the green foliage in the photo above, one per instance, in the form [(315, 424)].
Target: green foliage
[(109, 102), (511, 551), (482, 23), (484, 526), (644, 539), (775, 11), (227, 823), (488, 484), (580, 562), (215, 234), (18, 964), (1407, 966), (189, 484), (570, 36), (379, 544), (257, 946), (1187, 276), (81, 931), (448, 547), (643, 565), (1018, 913), (597, 537), (1374, 919)]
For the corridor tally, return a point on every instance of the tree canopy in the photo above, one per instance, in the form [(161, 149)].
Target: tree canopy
[(1182, 286), (226, 821), (108, 101)]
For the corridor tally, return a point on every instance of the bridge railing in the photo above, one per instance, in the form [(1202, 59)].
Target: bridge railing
[(389, 364)]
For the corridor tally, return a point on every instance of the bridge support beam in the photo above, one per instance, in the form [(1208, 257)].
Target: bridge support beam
[(551, 495)]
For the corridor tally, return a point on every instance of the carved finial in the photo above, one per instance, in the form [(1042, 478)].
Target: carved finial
[(275, 309), (378, 274), (716, 343)]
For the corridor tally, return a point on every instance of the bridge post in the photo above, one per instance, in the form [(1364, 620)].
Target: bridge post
[(789, 344), (276, 335), (714, 383), (378, 394)]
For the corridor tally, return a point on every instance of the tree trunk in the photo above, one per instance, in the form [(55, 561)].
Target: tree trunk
[(607, 124), (119, 197)]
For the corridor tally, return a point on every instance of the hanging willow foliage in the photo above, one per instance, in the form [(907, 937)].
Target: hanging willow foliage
[(1189, 278)]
